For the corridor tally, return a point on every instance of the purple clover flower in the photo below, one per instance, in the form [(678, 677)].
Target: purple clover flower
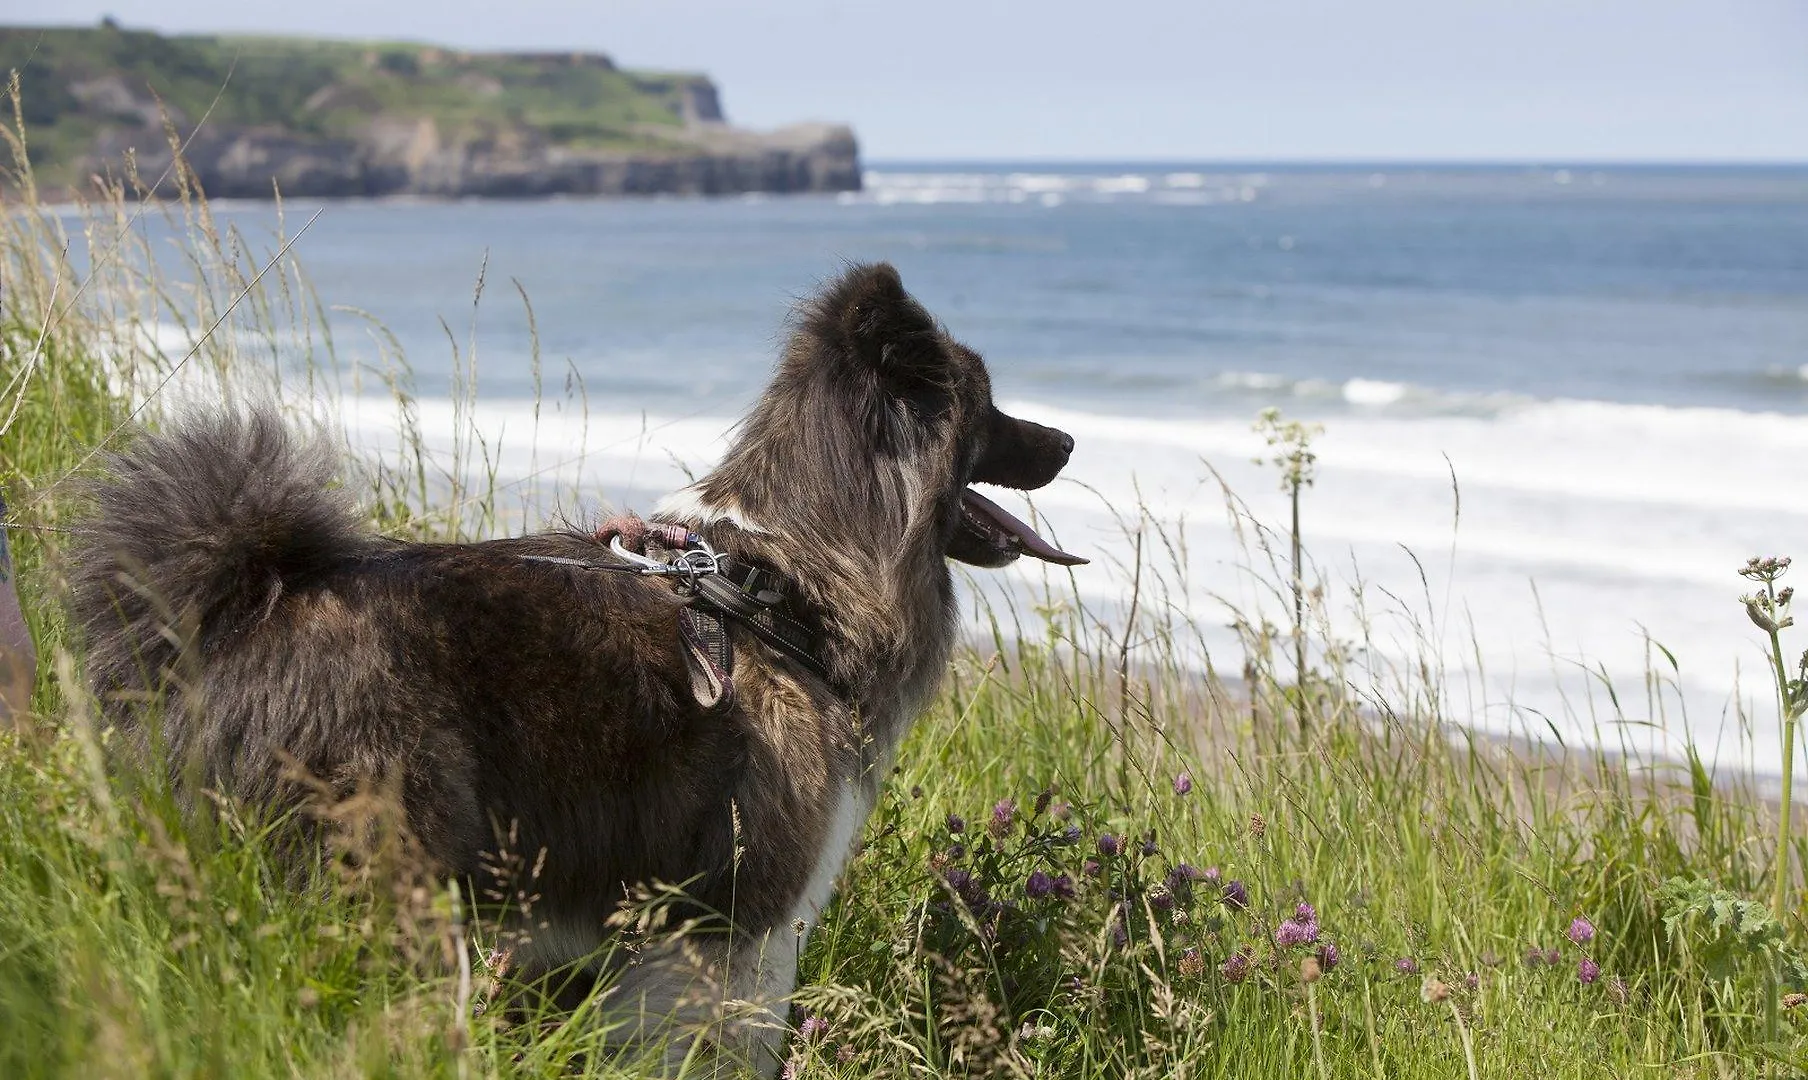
[(1552, 956), (1070, 835), (1328, 956), (967, 888), (1306, 913), (1091, 868), (1039, 885), (1110, 846), (1063, 887), (1161, 899), (1235, 896), (813, 1028), (1180, 880), (1236, 967), (1406, 965), (1149, 848), (1581, 931), (1003, 815), (1588, 971), (1293, 932), (1183, 783), (1212, 874), (1192, 962), (957, 824), (1534, 957)]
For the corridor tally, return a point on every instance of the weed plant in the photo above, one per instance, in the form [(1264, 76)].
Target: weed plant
[(1099, 856)]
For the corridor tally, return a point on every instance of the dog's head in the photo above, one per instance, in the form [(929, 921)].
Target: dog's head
[(897, 413)]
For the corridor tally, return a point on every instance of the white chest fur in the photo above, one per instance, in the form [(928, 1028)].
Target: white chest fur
[(853, 803)]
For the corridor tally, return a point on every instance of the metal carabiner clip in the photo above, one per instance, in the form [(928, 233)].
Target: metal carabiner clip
[(690, 565), (640, 563)]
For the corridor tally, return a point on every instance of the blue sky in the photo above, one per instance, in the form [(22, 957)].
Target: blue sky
[(1513, 80)]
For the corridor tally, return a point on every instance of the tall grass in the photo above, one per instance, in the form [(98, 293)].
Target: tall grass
[(1101, 856)]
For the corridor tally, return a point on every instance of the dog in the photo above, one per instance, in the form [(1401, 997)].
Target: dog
[(542, 691)]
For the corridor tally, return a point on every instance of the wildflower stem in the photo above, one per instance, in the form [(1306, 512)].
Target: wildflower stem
[(1368, 1021), (1779, 907), (1318, 1042), (1468, 1043), (1299, 615)]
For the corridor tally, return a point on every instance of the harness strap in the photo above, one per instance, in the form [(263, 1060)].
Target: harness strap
[(711, 654), (736, 592), (749, 595)]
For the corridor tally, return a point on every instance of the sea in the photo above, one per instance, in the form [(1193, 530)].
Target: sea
[(1561, 405)]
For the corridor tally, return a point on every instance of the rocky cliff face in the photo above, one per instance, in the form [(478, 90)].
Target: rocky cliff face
[(316, 118), (414, 157)]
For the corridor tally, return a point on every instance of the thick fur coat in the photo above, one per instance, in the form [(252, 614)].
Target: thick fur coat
[(549, 708)]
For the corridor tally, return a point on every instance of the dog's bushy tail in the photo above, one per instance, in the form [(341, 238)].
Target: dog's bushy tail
[(197, 530)]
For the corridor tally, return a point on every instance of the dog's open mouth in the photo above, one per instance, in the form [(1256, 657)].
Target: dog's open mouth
[(1002, 535)]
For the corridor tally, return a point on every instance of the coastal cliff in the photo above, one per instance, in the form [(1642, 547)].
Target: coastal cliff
[(315, 118)]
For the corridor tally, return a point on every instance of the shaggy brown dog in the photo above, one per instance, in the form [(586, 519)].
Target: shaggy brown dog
[(508, 692)]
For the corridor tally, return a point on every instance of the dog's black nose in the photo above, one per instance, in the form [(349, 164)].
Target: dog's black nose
[(1067, 442)]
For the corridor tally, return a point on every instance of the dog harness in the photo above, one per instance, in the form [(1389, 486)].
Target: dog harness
[(720, 592)]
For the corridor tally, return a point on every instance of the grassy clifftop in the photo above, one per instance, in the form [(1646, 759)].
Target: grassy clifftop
[(91, 95)]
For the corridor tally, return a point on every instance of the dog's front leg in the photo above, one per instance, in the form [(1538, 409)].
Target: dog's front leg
[(762, 977), (715, 1009)]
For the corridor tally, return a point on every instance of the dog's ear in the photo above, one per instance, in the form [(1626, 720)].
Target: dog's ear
[(877, 324)]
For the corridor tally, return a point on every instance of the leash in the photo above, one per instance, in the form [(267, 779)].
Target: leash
[(721, 592)]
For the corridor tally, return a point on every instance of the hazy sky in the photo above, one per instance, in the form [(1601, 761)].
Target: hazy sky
[(1159, 79)]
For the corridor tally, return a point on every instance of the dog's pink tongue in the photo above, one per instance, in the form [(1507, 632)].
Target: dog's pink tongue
[(1032, 544)]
